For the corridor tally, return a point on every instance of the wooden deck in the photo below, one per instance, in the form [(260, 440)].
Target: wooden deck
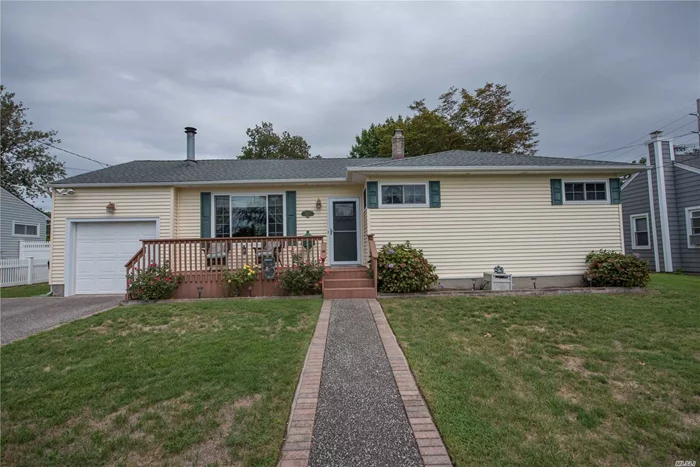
[(201, 261)]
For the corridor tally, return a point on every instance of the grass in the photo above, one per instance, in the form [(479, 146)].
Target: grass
[(567, 380), (25, 290), (167, 384)]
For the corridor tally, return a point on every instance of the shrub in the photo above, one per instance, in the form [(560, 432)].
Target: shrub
[(612, 269), (403, 269), (303, 278), (235, 280), (153, 283)]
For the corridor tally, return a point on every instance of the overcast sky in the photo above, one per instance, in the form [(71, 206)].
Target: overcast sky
[(120, 80)]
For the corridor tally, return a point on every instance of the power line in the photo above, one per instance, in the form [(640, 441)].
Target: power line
[(75, 168), (644, 144), (76, 154), (631, 143)]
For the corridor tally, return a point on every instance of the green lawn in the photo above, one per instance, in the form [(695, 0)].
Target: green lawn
[(24, 290), (567, 380), (194, 383)]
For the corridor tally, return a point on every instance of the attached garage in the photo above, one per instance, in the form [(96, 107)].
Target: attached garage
[(100, 251)]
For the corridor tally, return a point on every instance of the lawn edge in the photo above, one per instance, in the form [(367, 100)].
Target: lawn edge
[(296, 448), (430, 444)]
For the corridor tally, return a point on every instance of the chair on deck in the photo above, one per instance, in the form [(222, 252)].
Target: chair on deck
[(270, 249), (217, 253)]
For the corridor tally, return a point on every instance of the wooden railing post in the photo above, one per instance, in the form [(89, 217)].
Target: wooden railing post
[(374, 257)]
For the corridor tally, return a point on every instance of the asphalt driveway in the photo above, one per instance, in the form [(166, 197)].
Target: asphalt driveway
[(22, 317)]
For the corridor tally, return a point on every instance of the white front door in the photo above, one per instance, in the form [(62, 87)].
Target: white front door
[(102, 249)]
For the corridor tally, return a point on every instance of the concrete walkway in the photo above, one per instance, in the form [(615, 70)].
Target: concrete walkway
[(357, 402)]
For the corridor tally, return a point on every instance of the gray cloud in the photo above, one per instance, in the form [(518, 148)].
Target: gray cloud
[(120, 80)]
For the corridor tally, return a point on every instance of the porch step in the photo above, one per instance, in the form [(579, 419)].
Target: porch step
[(355, 292), (347, 273), (347, 283)]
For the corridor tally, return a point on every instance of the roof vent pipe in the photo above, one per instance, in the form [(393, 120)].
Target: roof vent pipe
[(190, 131), (397, 144)]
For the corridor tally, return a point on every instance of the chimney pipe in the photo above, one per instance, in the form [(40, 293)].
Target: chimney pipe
[(656, 134), (397, 145), (190, 131)]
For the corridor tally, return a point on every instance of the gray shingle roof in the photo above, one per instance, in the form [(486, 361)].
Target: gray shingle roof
[(691, 160), (234, 170), (214, 170), (460, 158)]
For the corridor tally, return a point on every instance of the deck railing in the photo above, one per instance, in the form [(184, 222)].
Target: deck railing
[(204, 259)]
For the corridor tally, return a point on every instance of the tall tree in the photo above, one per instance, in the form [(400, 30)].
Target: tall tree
[(26, 167), (264, 143), (485, 120)]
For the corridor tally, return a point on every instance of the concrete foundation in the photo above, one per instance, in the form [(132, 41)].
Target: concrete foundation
[(519, 283), (58, 290)]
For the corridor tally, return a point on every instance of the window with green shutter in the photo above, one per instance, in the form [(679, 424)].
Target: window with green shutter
[(557, 196), (372, 195), (434, 194)]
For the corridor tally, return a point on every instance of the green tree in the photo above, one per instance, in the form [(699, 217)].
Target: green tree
[(26, 167), (264, 143), (485, 120)]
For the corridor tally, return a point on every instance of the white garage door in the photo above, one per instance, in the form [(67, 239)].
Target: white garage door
[(102, 249)]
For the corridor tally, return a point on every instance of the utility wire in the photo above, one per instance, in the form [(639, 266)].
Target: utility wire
[(75, 168), (644, 144), (76, 154), (631, 143)]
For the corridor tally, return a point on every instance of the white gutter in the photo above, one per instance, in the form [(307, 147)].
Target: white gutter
[(687, 167), (197, 183), (517, 169), (663, 207)]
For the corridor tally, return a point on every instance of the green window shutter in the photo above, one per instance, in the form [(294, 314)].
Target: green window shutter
[(291, 213), (205, 215), (557, 196), (434, 194), (372, 195), (615, 191)]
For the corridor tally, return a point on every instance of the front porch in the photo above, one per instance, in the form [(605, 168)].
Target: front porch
[(201, 263)]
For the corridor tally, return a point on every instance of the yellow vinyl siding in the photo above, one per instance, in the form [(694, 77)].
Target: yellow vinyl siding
[(486, 221), (91, 203), (188, 211)]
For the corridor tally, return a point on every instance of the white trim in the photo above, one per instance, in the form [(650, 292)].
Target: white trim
[(195, 183), (402, 205), (71, 224), (688, 229), (627, 168), (258, 193), (38, 230), (657, 267), (358, 233), (663, 207), (622, 228), (597, 201), (687, 167), (633, 231), (671, 152), (629, 180)]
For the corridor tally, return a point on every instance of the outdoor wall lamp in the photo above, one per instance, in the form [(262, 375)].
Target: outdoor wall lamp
[(318, 204)]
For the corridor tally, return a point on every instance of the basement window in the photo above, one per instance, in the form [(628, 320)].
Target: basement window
[(639, 226), (586, 191), (25, 230)]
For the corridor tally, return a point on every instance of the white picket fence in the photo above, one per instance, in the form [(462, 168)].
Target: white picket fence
[(16, 271), (38, 250)]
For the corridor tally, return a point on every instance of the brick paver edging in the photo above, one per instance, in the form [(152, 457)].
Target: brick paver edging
[(430, 445), (297, 445)]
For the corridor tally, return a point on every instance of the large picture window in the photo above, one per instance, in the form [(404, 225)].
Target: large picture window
[(404, 195), (249, 215), (586, 191)]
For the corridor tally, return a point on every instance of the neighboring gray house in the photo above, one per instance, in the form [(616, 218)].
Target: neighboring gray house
[(19, 220), (661, 209)]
